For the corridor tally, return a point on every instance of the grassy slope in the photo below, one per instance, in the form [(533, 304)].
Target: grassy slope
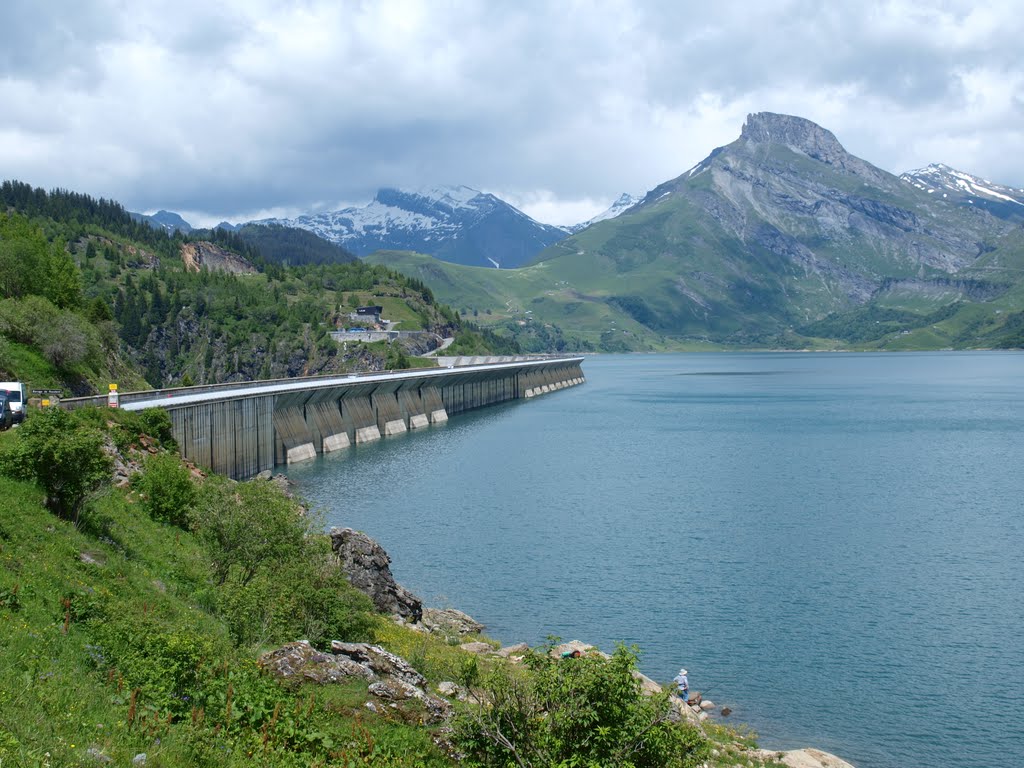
[(59, 697), (534, 294)]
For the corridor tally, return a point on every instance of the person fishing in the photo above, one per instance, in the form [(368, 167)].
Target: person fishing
[(682, 685)]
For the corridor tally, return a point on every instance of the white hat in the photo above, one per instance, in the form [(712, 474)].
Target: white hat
[(683, 672)]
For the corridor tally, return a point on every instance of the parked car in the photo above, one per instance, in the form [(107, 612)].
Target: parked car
[(6, 414)]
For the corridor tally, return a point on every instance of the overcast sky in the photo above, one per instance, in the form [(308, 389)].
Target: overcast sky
[(238, 110)]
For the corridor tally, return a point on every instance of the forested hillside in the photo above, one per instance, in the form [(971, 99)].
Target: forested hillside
[(89, 296)]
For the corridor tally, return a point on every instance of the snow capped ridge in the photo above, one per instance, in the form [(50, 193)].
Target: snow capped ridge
[(451, 222), (948, 182), (624, 202), (449, 197)]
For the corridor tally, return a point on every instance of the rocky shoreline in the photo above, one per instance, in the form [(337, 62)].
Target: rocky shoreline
[(393, 681)]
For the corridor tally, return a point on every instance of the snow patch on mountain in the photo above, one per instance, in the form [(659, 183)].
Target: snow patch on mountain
[(620, 206), (454, 223), (941, 178), (393, 210)]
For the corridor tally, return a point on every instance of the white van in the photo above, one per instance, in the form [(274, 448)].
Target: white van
[(19, 399)]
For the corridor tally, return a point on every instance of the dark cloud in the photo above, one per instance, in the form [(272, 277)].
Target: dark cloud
[(41, 41), (228, 108)]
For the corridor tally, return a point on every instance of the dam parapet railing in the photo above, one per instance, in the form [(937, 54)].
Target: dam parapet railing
[(240, 429)]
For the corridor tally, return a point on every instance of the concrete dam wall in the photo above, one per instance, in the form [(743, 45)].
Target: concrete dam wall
[(241, 429)]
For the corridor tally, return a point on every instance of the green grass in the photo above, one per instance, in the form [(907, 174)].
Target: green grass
[(398, 310), (89, 615)]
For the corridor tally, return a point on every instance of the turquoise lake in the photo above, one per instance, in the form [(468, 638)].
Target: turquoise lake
[(832, 544)]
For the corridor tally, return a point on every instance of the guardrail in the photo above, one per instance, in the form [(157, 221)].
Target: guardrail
[(124, 398)]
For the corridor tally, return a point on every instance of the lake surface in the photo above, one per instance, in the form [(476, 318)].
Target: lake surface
[(833, 544)]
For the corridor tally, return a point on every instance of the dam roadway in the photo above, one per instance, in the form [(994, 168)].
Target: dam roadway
[(243, 428)]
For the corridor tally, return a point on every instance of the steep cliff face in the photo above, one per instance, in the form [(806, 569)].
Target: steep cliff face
[(204, 254)]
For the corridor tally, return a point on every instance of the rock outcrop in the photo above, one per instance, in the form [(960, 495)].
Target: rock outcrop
[(301, 661), (450, 622), (804, 758), (391, 678), (203, 254), (367, 566), (382, 663)]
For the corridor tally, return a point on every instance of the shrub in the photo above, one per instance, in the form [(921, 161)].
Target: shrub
[(63, 456), (276, 578), (156, 422), (21, 319), (247, 527), (70, 340), (167, 663), (585, 711), (168, 492)]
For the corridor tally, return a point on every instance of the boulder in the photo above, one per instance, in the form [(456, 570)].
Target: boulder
[(519, 649), (477, 647), (449, 689), (380, 662), (391, 677), (396, 691), (300, 660), (448, 621), (367, 566), (804, 758), (575, 645)]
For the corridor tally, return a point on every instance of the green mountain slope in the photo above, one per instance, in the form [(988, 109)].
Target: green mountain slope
[(289, 245), (89, 296), (535, 306)]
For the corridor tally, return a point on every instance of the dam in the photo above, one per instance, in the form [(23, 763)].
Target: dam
[(243, 428)]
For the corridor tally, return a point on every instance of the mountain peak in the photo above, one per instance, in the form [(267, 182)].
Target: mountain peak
[(797, 133), (448, 196), (801, 135)]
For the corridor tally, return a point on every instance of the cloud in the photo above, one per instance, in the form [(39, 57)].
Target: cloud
[(228, 108)]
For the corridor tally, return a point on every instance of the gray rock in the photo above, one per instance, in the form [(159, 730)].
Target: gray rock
[(92, 558), (393, 690), (706, 705), (477, 647), (574, 645), (139, 759), (391, 677), (367, 566), (448, 621), (449, 689), (382, 663), (96, 754), (301, 660), (396, 691), (519, 649), (803, 758)]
